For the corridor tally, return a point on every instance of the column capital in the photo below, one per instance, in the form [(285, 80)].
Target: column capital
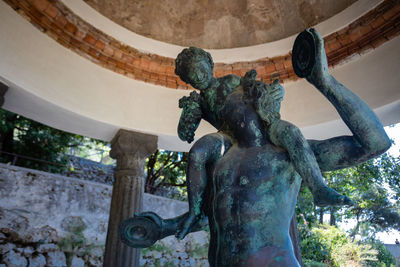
[(132, 144)]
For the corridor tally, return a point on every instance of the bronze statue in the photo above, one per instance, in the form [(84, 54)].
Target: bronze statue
[(245, 178)]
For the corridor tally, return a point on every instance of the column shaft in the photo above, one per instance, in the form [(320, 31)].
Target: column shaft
[(130, 149)]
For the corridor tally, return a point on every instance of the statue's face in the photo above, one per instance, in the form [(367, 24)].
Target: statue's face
[(199, 74)]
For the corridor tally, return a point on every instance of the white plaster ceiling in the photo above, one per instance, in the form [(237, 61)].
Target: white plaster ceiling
[(56, 86)]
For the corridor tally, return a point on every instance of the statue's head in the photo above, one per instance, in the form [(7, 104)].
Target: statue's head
[(195, 66)]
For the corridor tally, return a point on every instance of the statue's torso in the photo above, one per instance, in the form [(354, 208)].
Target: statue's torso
[(255, 189)]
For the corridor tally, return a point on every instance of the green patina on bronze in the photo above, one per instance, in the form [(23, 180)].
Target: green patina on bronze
[(245, 178)]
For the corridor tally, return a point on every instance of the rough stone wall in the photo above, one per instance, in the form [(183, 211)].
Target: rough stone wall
[(46, 199), (70, 216), (90, 170)]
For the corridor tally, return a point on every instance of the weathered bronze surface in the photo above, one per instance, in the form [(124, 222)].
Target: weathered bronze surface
[(303, 54), (245, 178)]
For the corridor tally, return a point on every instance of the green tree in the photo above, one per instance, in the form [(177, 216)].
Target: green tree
[(390, 171), (166, 174), (326, 245), (373, 186), (22, 136), (385, 259)]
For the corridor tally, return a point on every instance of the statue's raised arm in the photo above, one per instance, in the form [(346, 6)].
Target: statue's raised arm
[(369, 138)]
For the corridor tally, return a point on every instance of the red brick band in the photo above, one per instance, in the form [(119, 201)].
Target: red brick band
[(57, 21)]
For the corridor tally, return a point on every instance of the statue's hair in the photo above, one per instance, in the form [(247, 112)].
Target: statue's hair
[(267, 106), (187, 55)]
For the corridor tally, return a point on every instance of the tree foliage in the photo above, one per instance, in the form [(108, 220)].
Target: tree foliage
[(373, 186), (385, 259), (166, 174), (325, 245), (22, 136)]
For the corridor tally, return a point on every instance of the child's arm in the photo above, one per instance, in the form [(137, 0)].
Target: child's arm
[(205, 151)]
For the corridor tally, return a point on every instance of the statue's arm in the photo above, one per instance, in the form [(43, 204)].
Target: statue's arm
[(369, 139), (144, 229), (170, 226)]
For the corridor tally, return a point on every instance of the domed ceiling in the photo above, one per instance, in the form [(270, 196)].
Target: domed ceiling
[(51, 45), (220, 23)]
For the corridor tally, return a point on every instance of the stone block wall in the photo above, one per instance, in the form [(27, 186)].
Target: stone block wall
[(50, 218)]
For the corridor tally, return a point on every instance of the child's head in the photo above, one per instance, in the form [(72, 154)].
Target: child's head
[(195, 66)]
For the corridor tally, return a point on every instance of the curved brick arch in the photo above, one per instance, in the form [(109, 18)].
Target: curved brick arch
[(57, 21)]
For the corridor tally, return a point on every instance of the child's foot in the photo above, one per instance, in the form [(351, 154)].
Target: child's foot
[(326, 196), (186, 225)]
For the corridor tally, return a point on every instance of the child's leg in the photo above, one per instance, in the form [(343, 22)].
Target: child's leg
[(206, 150), (288, 136)]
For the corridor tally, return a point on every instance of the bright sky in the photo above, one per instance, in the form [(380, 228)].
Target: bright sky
[(389, 237), (394, 134)]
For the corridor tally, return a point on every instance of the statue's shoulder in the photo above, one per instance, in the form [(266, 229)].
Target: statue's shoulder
[(230, 80), (226, 85)]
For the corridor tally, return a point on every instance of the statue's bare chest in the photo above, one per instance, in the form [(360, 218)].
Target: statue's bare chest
[(250, 167)]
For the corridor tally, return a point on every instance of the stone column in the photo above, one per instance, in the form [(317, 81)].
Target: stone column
[(130, 149)]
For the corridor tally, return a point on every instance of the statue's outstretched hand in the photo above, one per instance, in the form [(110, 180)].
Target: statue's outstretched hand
[(320, 72), (187, 225)]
